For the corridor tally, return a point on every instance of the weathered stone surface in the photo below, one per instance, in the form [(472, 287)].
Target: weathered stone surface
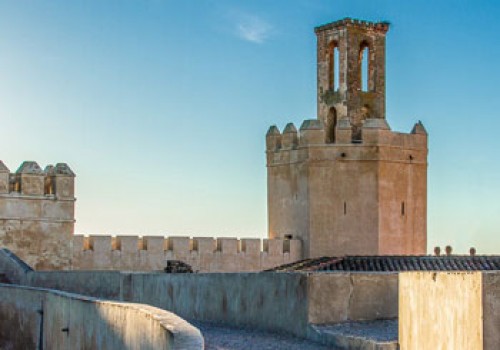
[(356, 188), (37, 215)]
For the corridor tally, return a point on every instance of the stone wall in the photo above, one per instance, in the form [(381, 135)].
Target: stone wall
[(33, 318), (204, 254), (37, 214), (449, 310), (284, 302)]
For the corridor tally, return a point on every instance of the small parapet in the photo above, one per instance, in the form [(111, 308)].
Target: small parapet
[(30, 180), (346, 22), (204, 254), (291, 145)]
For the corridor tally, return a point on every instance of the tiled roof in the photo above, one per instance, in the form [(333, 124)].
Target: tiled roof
[(396, 263)]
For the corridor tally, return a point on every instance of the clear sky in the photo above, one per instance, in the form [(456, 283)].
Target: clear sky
[(161, 107)]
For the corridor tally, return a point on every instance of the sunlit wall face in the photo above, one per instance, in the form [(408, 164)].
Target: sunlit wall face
[(161, 107)]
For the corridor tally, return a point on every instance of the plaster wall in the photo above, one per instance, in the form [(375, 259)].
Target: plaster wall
[(449, 310), (285, 302), (33, 317)]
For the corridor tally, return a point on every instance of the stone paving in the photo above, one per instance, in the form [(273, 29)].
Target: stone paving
[(223, 338)]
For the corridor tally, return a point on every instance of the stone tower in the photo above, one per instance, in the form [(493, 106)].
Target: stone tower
[(345, 184)]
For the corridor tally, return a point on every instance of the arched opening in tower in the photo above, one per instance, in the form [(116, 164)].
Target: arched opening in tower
[(331, 124), (333, 66), (364, 66)]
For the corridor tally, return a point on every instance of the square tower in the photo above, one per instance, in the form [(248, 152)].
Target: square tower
[(344, 183), (345, 89)]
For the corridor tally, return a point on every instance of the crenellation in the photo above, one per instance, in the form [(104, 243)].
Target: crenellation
[(153, 244), (251, 246), (273, 139), (289, 138), (100, 244), (31, 179), (311, 132), (43, 221), (228, 245), (204, 245), (274, 247), (179, 245), (4, 178), (204, 254)]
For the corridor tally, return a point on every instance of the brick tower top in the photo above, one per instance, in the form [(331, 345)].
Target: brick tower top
[(346, 91)]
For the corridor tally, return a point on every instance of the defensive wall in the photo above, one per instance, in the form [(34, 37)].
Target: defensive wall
[(37, 211), (33, 318), (204, 254)]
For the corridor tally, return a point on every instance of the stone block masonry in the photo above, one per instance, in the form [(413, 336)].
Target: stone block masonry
[(204, 254), (37, 209), (345, 183)]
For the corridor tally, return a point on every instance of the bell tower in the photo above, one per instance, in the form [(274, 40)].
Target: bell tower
[(351, 74), (345, 183)]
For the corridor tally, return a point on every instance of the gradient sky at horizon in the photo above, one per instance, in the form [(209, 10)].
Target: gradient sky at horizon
[(161, 107)]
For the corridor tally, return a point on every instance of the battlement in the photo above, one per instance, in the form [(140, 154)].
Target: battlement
[(205, 254), (37, 214), (310, 142), (30, 180), (353, 22)]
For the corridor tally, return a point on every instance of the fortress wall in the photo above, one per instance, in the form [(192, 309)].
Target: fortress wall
[(37, 214), (32, 318), (204, 254)]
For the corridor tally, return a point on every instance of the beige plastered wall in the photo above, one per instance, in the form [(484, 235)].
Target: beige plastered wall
[(441, 310)]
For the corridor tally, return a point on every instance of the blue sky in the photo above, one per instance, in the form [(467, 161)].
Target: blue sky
[(161, 107)]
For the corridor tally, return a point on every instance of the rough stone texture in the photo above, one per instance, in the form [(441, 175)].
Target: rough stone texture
[(37, 214), (32, 317), (442, 310), (348, 100), (352, 186)]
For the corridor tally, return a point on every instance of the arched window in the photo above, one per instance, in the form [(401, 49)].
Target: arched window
[(364, 65), (333, 66), (331, 123)]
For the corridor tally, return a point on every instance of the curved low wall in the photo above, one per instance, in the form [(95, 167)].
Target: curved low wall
[(31, 318)]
